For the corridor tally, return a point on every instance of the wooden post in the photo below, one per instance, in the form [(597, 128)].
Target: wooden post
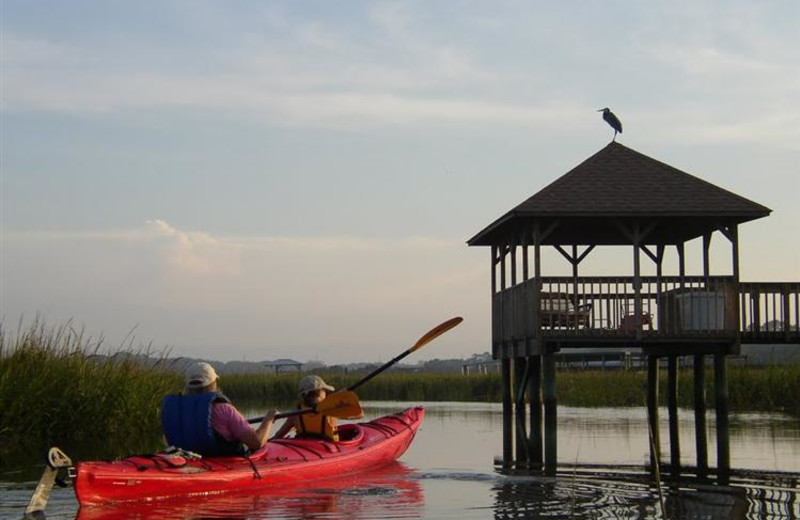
[(701, 445), (734, 230), (755, 318), (672, 406), (679, 325), (513, 252), (503, 254), (652, 411), (575, 263), (785, 314), (535, 399), (521, 436), (550, 418), (706, 260), (508, 432), (659, 289), (494, 270), (637, 281), (723, 430), (493, 282), (525, 275), (537, 276)]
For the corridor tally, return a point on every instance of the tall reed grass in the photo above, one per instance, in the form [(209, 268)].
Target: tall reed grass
[(389, 386), (774, 388), (766, 389), (57, 389), (770, 388)]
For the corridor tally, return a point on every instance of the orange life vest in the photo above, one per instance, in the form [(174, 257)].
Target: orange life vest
[(316, 425)]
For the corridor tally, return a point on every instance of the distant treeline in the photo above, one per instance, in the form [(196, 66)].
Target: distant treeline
[(56, 390)]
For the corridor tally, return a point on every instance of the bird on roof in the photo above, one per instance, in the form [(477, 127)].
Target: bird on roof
[(611, 119)]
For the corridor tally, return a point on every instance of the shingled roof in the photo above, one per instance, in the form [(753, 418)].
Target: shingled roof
[(620, 183)]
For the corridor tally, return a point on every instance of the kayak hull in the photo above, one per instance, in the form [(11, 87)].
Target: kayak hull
[(282, 462)]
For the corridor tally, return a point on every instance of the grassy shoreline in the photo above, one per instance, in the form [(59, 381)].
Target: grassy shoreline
[(57, 390), (750, 389)]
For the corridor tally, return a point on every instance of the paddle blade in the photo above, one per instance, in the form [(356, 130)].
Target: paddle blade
[(342, 405), (435, 333)]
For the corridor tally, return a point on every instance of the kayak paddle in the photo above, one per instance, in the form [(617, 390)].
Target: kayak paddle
[(421, 342), (342, 405)]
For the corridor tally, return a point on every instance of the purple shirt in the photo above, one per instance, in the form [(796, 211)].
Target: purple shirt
[(228, 422)]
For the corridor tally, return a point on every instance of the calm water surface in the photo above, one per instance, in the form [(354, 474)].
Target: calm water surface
[(449, 473)]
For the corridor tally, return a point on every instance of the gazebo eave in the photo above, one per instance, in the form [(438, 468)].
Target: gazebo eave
[(603, 228)]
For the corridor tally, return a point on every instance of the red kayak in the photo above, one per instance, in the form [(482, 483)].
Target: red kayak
[(392, 491), (362, 446)]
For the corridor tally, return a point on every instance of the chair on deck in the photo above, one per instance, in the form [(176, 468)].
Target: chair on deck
[(558, 310), (630, 321)]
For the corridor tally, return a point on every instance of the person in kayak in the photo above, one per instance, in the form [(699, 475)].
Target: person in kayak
[(311, 390), (204, 421)]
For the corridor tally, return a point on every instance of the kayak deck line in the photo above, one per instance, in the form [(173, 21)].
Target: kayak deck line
[(299, 449)]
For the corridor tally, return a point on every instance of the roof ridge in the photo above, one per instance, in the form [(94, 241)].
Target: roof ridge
[(577, 174)]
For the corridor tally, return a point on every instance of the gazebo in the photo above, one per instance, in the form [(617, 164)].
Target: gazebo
[(284, 365), (621, 198)]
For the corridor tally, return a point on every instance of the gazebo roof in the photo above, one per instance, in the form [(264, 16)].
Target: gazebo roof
[(618, 183)]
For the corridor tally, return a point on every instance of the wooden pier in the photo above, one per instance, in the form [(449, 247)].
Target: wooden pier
[(621, 198)]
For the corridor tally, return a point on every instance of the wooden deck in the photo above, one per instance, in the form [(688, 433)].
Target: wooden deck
[(653, 312)]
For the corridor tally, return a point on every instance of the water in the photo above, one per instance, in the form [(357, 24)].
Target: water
[(449, 473)]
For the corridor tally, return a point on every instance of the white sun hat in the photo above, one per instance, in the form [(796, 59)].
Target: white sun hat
[(311, 384), (200, 375)]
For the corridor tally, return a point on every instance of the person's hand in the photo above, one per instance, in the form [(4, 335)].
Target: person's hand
[(269, 417)]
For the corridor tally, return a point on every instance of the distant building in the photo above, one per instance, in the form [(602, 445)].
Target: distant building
[(284, 365)]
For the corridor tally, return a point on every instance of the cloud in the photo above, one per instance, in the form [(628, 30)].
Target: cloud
[(393, 64), (357, 105), (196, 253), (332, 298), (31, 52), (325, 74)]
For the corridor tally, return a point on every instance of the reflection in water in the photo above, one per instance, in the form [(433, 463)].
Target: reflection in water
[(389, 492), (574, 499), (584, 494)]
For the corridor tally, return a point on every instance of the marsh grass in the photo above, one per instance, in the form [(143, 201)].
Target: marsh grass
[(57, 389), (770, 388), (764, 389), (282, 388), (774, 388)]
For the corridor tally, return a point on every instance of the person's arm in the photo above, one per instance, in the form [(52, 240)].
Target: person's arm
[(288, 425), (255, 439)]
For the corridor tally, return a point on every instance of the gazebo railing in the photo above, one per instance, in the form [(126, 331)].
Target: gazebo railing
[(770, 312), (666, 307)]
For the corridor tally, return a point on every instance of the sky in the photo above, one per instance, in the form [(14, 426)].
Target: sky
[(256, 180)]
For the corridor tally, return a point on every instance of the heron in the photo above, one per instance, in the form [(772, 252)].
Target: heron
[(611, 119)]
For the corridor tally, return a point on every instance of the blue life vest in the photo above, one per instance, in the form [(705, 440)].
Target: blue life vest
[(186, 423)]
